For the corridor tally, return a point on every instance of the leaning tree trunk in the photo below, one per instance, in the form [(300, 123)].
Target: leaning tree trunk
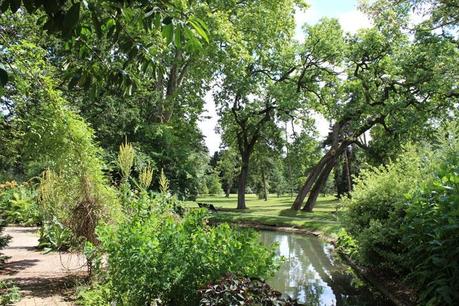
[(242, 183), (315, 172), (312, 177), (321, 181)]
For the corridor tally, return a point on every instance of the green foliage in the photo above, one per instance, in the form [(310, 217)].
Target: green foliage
[(232, 290), (55, 139), (405, 218), (126, 157), (163, 256), (9, 293), (95, 295), (3, 241), (163, 183), (19, 205), (375, 212), (54, 236), (78, 24), (431, 230), (213, 184)]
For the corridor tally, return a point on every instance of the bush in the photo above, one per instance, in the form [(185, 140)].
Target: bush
[(430, 232), (73, 189), (405, 218), (18, 204), (9, 293), (55, 237), (3, 242), (376, 210), (168, 258)]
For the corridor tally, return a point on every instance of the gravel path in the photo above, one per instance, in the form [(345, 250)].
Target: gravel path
[(44, 279)]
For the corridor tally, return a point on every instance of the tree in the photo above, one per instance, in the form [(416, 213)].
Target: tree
[(265, 157), (303, 153), (213, 183), (389, 82), (228, 166), (75, 22), (254, 87)]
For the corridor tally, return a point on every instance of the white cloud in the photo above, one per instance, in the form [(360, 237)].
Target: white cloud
[(353, 21), (302, 17)]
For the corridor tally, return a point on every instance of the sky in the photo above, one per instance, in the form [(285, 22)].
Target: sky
[(350, 19)]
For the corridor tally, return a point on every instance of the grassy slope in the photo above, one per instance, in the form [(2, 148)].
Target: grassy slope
[(276, 211)]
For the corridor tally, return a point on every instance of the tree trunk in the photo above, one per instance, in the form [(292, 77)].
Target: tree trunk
[(312, 176), (242, 182), (227, 191), (321, 181), (265, 190), (333, 153), (348, 170)]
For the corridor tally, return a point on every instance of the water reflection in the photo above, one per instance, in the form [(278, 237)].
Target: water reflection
[(311, 274)]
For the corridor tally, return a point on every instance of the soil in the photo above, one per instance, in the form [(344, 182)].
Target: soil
[(43, 278)]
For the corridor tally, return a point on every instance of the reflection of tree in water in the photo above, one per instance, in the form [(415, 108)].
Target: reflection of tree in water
[(312, 276)]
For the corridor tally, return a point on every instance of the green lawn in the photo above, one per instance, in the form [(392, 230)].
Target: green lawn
[(276, 211)]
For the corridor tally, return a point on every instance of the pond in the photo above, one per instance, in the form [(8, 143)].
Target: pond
[(312, 274)]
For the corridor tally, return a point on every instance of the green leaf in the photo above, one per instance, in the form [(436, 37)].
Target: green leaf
[(3, 77), (177, 36), (168, 32), (201, 32), (201, 23)]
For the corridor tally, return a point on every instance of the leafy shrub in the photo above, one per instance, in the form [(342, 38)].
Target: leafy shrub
[(167, 258), (4, 239), (376, 210), (405, 217), (232, 291), (430, 232), (55, 237), (57, 142), (18, 204), (9, 293)]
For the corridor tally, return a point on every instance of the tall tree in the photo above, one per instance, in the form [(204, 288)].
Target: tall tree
[(389, 81), (254, 87)]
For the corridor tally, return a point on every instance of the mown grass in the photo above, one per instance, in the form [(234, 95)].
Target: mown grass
[(276, 211)]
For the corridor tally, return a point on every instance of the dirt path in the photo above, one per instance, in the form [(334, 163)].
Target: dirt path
[(44, 279)]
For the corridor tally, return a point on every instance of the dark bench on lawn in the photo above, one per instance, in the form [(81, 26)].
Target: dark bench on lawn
[(209, 206)]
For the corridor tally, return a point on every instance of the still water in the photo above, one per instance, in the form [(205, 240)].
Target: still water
[(313, 275)]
